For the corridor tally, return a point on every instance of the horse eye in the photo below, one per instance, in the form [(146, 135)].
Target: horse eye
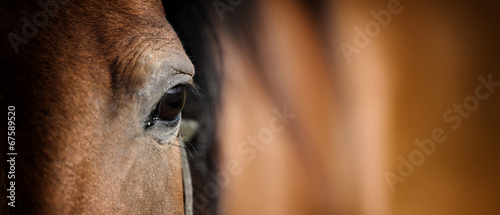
[(170, 105)]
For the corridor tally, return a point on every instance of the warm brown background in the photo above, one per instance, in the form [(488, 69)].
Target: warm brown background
[(355, 119)]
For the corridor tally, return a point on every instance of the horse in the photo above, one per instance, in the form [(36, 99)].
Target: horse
[(97, 88), (313, 107)]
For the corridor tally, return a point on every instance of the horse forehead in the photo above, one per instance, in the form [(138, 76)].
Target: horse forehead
[(125, 38)]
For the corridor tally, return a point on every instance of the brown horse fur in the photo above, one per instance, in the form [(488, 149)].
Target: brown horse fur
[(83, 87), (353, 120)]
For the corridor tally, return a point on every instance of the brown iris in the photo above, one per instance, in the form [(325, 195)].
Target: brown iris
[(170, 105)]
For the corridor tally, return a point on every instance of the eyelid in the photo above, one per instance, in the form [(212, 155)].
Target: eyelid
[(176, 80), (180, 62), (175, 89), (168, 123), (189, 85)]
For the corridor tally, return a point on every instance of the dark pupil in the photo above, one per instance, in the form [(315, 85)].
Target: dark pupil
[(172, 103)]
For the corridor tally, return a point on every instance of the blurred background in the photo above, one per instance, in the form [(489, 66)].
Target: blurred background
[(348, 107)]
